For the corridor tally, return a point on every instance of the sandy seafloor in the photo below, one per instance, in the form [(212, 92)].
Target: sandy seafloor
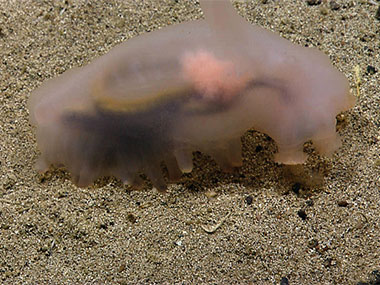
[(52, 232)]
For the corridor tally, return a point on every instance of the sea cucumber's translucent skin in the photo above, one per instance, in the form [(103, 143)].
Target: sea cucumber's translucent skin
[(194, 86)]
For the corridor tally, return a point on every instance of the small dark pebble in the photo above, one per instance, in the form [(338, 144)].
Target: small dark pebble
[(131, 218), (377, 16), (296, 187), (259, 148), (284, 281), (249, 200), (302, 214), (313, 2), (334, 5), (268, 138), (103, 226), (310, 203), (342, 203), (371, 69)]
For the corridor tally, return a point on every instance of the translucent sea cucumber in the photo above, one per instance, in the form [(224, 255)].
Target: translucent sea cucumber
[(198, 85)]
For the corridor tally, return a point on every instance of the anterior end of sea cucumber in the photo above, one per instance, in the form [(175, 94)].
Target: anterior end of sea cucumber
[(214, 79)]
